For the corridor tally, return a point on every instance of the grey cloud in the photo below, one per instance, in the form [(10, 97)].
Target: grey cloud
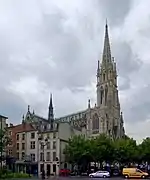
[(43, 44), (139, 108), (11, 105), (127, 62), (115, 10)]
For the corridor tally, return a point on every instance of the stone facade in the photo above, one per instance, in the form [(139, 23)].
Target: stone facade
[(50, 140), (106, 116)]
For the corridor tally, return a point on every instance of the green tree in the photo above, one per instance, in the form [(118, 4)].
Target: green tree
[(105, 148), (125, 150), (77, 150), (4, 140), (144, 150)]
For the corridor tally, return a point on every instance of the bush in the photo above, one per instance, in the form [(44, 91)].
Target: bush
[(21, 175), (10, 175)]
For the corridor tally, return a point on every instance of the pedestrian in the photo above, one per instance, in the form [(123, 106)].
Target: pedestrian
[(48, 174), (43, 174)]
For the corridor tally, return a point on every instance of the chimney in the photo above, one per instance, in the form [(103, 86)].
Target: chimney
[(11, 125)]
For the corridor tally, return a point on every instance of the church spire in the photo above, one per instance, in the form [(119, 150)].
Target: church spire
[(50, 112), (51, 102), (106, 58)]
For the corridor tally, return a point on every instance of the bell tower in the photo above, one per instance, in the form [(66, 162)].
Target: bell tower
[(106, 76), (107, 90)]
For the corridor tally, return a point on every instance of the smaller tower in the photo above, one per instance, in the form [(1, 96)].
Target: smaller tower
[(23, 119), (98, 85), (28, 108), (50, 113), (89, 104)]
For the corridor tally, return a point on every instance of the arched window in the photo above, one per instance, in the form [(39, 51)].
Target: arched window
[(106, 93), (102, 95), (103, 77), (95, 124), (110, 74)]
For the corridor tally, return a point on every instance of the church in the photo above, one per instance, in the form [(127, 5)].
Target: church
[(106, 116)]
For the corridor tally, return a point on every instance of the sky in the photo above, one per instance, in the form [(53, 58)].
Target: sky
[(52, 46)]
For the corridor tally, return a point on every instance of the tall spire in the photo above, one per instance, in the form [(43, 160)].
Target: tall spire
[(51, 101), (50, 113), (106, 58)]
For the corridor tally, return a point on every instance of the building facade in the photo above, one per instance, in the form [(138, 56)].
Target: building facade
[(38, 143), (23, 147), (46, 146), (106, 116), (52, 143)]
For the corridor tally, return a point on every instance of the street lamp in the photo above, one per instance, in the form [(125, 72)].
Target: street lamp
[(43, 144)]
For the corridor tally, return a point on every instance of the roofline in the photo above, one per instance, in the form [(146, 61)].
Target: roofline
[(9, 127), (1, 116), (71, 114)]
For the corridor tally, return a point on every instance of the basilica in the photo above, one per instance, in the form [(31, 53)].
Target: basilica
[(106, 116)]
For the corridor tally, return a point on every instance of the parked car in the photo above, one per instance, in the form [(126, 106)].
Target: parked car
[(115, 172), (134, 173), (103, 174), (64, 172)]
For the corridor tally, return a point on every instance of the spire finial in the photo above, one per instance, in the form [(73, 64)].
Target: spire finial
[(89, 104), (28, 108), (106, 51), (50, 112), (51, 101), (98, 65), (23, 119)]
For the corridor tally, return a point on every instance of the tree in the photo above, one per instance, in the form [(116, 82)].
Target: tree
[(76, 149), (105, 148), (125, 150), (144, 150), (4, 140)]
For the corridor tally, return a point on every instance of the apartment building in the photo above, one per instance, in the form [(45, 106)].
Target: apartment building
[(23, 147), (52, 143), (26, 149), (13, 130)]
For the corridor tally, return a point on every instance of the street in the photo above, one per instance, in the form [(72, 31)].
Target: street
[(73, 178)]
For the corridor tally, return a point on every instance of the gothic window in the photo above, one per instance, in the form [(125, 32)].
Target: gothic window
[(106, 93), (110, 74), (106, 116), (101, 95), (103, 77), (95, 124), (107, 124)]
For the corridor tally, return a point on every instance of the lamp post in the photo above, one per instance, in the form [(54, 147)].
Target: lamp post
[(43, 144)]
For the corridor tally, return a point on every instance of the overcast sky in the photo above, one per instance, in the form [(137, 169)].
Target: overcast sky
[(53, 46)]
